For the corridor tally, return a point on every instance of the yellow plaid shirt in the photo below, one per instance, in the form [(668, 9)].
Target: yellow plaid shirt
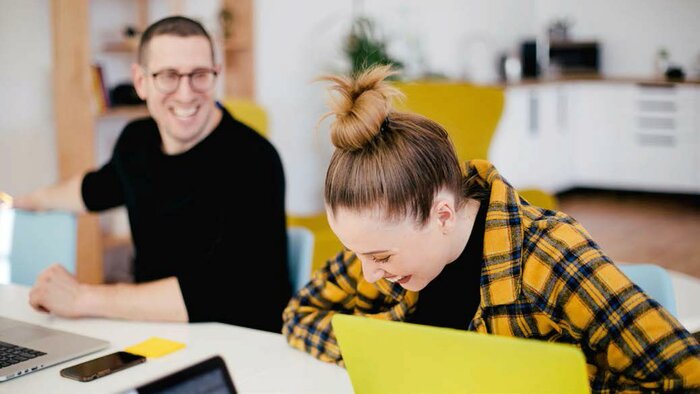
[(543, 277)]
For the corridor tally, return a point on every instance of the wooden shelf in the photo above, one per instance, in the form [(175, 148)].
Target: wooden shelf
[(134, 111), (74, 94), (110, 241), (235, 45), (126, 46)]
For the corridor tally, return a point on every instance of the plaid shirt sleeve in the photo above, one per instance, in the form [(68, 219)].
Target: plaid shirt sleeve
[(339, 288), (307, 318), (631, 343)]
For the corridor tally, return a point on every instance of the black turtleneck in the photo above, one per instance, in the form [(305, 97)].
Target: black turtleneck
[(451, 299)]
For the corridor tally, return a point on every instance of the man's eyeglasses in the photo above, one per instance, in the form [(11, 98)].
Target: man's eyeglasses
[(201, 80)]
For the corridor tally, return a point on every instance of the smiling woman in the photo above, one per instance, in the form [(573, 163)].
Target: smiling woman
[(432, 243)]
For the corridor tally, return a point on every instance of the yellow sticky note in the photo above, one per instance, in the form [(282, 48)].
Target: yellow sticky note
[(155, 347)]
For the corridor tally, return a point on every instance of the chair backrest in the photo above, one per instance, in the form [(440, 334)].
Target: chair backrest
[(469, 113), (655, 281), (539, 198), (39, 240), (248, 112), (300, 248)]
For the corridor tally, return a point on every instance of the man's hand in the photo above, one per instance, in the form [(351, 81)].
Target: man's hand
[(5, 200), (27, 203), (58, 292)]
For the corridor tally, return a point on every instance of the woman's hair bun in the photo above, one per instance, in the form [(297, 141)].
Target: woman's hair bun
[(360, 105)]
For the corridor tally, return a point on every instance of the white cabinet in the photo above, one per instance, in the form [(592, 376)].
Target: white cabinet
[(554, 138), (660, 146), (696, 131), (509, 149), (600, 114), (531, 146), (602, 134)]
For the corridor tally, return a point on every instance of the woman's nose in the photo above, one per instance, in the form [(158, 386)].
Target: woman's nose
[(371, 272)]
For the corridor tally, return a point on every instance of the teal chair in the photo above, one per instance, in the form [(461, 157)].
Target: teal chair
[(39, 240), (655, 281), (300, 249)]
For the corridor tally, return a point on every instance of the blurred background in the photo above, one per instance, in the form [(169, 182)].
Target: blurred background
[(590, 107)]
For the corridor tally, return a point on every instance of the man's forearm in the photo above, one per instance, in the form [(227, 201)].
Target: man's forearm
[(159, 300), (65, 196)]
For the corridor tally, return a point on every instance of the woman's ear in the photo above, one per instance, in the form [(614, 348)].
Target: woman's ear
[(443, 211)]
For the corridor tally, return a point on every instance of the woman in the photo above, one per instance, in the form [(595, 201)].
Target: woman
[(431, 244)]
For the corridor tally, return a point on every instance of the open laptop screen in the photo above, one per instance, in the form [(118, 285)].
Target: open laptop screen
[(209, 376)]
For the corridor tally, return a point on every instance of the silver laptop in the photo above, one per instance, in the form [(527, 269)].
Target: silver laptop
[(26, 347)]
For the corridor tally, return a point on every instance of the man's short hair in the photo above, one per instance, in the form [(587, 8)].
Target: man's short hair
[(175, 26)]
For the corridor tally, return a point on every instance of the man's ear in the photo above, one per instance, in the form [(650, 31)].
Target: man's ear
[(138, 75)]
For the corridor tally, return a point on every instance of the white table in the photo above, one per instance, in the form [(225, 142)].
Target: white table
[(687, 289), (258, 361)]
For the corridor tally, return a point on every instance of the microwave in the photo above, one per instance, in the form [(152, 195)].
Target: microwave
[(575, 57)]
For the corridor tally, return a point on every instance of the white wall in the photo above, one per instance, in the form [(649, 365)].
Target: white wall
[(632, 31), (296, 41), (292, 48), (27, 144)]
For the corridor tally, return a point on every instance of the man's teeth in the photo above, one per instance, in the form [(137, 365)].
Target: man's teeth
[(184, 112), (394, 279)]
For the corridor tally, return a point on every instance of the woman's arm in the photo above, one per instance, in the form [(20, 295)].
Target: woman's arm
[(620, 328), (307, 318)]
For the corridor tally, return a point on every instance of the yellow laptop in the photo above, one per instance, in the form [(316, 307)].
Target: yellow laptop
[(391, 357)]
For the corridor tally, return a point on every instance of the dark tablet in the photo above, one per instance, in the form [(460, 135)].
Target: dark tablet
[(209, 376)]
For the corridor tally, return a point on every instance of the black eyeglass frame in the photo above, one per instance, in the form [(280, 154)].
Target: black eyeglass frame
[(189, 78)]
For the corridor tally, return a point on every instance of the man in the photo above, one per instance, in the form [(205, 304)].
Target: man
[(204, 194)]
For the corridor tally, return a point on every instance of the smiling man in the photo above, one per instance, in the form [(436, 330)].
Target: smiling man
[(205, 197)]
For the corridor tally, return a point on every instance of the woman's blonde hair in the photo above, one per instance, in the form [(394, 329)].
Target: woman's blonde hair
[(386, 159)]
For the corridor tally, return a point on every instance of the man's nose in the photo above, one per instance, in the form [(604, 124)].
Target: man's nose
[(184, 89)]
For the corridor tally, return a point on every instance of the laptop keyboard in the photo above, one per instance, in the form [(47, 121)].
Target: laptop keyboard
[(11, 354)]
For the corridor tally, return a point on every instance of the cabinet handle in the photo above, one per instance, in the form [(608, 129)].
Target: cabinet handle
[(657, 89), (656, 85), (656, 106), (656, 140), (562, 109), (649, 123), (534, 113)]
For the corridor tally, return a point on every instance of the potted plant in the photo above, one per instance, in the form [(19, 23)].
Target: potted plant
[(365, 48)]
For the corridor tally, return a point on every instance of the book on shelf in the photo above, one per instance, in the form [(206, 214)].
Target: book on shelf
[(100, 94)]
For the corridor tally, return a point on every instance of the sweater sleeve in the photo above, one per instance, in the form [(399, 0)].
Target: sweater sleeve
[(102, 189)]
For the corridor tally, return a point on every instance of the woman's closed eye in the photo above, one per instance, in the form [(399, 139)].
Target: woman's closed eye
[(381, 260)]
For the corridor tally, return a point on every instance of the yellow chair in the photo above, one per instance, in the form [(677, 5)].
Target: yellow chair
[(539, 198), (248, 112), (470, 113), (326, 244)]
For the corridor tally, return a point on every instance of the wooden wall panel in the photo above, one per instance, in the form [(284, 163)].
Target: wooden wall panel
[(75, 122)]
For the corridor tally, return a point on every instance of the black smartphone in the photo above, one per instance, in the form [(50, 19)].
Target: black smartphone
[(102, 366)]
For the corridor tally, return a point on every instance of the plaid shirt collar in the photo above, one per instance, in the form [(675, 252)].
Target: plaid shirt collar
[(503, 238)]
